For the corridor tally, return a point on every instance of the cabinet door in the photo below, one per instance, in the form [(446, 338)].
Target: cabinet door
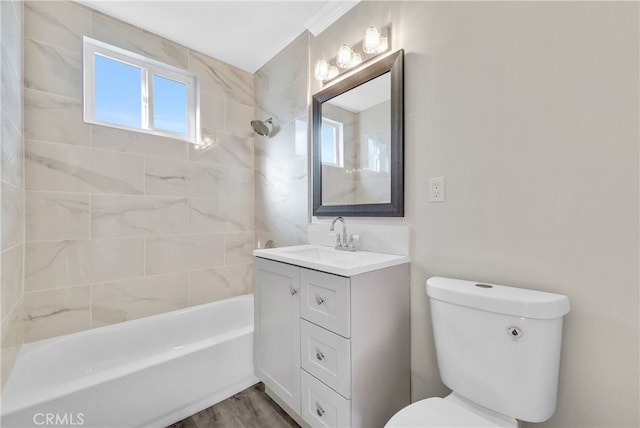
[(277, 329)]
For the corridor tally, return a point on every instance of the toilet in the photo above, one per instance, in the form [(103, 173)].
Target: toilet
[(498, 350)]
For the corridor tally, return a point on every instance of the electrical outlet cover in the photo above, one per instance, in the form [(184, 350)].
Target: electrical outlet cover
[(436, 189)]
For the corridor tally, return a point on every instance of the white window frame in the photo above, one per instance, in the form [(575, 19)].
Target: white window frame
[(149, 67), (338, 141)]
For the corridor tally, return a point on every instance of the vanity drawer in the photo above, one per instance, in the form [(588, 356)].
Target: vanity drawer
[(326, 300), (327, 356), (321, 405)]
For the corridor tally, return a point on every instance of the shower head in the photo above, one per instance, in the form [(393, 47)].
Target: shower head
[(261, 127)]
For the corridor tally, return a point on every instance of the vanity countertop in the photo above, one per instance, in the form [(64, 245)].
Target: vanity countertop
[(327, 259)]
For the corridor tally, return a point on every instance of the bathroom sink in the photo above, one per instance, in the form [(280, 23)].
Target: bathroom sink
[(326, 259)]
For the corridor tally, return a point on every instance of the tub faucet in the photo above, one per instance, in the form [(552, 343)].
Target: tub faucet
[(344, 242)]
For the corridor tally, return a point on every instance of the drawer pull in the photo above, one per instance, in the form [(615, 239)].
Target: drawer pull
[(319, 300), (319, 410), (319, 355), (293, 291)]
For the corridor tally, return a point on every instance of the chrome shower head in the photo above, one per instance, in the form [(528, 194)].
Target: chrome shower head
[(262, 127)]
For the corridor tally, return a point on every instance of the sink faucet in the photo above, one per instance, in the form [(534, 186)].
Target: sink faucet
[(339, 243), (344, 242)]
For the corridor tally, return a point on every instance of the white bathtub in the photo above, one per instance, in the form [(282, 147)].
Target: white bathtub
[(149, 372)]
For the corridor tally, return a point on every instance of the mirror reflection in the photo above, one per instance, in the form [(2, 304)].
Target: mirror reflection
[(356, 142)]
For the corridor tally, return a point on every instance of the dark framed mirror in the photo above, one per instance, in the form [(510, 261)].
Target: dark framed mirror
[(358, 142)]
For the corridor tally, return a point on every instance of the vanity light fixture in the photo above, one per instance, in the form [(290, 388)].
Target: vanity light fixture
[(371, 40), (373, 44), (321, 70), (343, 59)]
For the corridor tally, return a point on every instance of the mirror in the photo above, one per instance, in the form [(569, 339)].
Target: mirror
[(358, 141)]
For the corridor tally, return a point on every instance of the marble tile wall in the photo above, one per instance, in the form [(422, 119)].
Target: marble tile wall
[(374, 128), (12, 193), (281, 161), (121, 225)]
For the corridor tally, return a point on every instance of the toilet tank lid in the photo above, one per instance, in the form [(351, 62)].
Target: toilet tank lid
[(520, 302)]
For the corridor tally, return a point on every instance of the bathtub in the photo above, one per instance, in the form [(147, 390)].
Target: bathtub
[(149, 372)]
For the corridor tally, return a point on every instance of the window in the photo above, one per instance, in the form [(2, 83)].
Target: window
[(129, 91), (332, 143)]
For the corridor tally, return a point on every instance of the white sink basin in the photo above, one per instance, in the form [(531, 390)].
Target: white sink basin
[(326, 259)]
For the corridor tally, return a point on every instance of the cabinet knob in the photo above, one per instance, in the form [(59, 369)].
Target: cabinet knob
[(319, 355), (319, 410), (293, 291), (319, 300)]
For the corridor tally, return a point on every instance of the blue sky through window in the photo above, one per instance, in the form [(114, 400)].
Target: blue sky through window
[(328, 144), (118, 97), (127, 90), (169, 105)]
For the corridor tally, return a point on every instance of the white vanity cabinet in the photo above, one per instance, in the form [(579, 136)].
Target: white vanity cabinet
[(352, 350)]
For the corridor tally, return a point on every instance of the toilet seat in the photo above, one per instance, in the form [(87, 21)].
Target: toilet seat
[(447, 412)]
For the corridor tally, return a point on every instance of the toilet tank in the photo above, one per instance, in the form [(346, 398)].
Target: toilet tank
[(499, 346)]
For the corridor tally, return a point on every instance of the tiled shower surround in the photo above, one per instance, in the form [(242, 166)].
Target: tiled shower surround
[(281, 160), (121, 225)]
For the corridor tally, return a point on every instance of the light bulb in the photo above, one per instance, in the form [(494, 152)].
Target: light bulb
[(333, 72), (343, 59), (384, 44), (321, 69), (371, 40), (356, 59)]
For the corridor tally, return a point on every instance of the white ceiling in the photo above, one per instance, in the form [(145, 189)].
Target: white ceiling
[(242, 33), (365, 96)]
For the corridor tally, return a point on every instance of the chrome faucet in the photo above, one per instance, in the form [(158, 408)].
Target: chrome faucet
[(344, 242)]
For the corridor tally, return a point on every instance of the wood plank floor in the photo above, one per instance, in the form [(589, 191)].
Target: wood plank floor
[(251, 408)]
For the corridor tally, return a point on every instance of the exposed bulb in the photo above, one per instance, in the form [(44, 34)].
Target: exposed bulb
[(356, 59), (384, 44), (321, 69), (343, 59), (333, 72), (371, 40)]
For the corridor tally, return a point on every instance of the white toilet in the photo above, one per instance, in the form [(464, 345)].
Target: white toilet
[(498, 350)]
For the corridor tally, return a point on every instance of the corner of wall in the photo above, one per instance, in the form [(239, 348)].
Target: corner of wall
[(12, 186)]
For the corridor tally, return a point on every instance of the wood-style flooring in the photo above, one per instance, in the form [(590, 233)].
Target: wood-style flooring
[(251, 408)]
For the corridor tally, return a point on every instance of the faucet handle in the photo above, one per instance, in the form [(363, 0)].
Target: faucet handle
[(338, 241), (352, 239)]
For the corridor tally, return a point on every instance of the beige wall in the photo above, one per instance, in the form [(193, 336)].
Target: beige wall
[(530, 112), (11, 184), (121, 225)]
